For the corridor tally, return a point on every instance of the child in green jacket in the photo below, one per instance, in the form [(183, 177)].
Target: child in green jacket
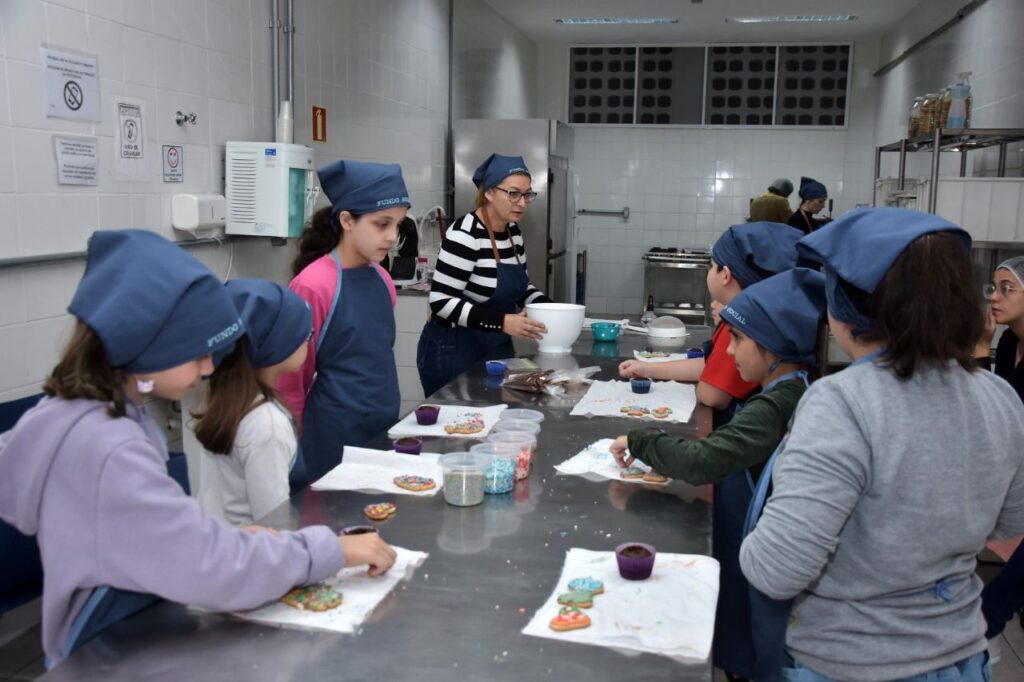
[(773, 327)]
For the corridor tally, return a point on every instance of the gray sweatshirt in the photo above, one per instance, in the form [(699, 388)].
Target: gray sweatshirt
[(883, 496)]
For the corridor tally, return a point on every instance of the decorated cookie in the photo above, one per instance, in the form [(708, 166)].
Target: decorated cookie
[(569, 618), (661, 412), (587, 584), (652, 354), (632, 472), (318, 597), (653, 476), (634, 410), (467, 424), (577, 598), (415, 483), (380, 511)]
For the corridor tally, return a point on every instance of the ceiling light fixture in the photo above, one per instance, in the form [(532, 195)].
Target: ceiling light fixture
[(792, 19), (606, 21)]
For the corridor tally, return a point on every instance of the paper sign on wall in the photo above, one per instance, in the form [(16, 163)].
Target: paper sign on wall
[(76, 160), (174, 163), (72, 85), (129, 140)]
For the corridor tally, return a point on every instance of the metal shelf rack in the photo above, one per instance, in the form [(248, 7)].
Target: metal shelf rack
[(962, 140)]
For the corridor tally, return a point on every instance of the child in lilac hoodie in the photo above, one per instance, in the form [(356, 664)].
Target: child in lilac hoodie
[(85, 470)]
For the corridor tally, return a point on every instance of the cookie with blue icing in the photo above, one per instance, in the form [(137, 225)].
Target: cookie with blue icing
[(587, 584)]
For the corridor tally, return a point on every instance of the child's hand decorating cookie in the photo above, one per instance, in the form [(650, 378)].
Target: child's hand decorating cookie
[(620, 450), (368, 549)]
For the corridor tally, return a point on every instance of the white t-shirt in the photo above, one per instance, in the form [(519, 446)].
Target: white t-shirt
[(253, 479)]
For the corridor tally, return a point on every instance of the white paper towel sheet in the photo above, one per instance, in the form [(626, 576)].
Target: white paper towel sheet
[(657, 356), (449, 413), (359, 592), (596, 460), (672, 613), (607, 398), (375, 470)]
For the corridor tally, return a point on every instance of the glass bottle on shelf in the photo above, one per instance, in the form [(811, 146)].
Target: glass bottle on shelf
[(649, 315), (915, 118)]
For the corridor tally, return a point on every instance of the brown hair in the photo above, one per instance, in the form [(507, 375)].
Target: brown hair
[(233, 391), (84, 372), (318, 239), (926, 308)]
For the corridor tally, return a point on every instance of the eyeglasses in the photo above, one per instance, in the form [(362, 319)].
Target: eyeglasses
[(1004, 289), (515, 195)]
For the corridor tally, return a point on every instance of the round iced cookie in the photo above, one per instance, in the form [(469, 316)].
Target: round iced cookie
[(587, 584)]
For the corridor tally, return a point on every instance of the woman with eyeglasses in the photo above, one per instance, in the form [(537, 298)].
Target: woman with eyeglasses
[(1006, 296), (480, 287), (1004, 596)]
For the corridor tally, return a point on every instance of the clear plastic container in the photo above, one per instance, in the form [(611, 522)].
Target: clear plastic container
[(525, 442), (464, 478), (530, 415), (499, 476), (914, 121), (527, 425)]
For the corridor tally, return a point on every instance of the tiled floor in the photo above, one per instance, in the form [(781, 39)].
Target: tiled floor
[(22, 657)]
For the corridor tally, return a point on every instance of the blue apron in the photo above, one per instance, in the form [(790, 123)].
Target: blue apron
[(733, 645), (108, 605), (770, 617), (445, 352), (355, 391)]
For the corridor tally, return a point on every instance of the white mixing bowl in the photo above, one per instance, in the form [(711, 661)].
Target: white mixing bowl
[(564, 322)]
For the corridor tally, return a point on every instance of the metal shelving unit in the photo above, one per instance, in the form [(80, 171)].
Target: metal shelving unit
[(962, 140)]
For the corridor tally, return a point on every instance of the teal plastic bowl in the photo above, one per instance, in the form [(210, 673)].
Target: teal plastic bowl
[(605, 331)]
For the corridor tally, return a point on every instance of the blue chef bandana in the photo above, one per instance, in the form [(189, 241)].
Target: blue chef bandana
[(861, 246), (496, 168), (361, 187), (811, 189), (750, 247), (152, 304), (277, 320), (782, 314)]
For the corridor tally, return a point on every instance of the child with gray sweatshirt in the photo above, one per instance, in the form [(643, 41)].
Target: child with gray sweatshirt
[(896, 470)]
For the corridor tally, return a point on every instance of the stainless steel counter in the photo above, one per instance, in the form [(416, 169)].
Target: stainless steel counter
[(460, 616)]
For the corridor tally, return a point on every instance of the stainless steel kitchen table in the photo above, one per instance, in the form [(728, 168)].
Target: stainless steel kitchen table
[(460, 616)]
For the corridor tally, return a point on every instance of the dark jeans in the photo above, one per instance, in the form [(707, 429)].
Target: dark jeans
[(1004, 596)]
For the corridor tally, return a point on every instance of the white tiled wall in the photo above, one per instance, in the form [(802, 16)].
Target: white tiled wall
[(685, 186), (988, 43), (379, 66), (495, 68)]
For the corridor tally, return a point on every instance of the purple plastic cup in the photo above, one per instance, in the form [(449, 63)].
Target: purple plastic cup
[(408, 446), (427, 414), (635, 559)]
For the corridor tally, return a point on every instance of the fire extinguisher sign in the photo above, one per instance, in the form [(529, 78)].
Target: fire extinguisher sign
[(319, 124)]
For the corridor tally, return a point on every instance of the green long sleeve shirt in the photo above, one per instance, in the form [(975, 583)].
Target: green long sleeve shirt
[(746, 442)]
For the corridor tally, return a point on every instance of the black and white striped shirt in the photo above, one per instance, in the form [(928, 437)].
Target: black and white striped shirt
[(466, 274)]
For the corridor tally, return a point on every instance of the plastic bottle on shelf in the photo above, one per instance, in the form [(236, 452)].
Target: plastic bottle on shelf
[(915, 118), (960, 106), (649, 314), (945, 102)]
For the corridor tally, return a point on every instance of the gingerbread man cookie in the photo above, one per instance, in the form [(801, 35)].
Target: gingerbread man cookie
[(318, 597), (380, 511), (569, 618), (632, 472), (587, 584), (415, 483), (577, 598), (466, 425), (653, 476), (634, 410)]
